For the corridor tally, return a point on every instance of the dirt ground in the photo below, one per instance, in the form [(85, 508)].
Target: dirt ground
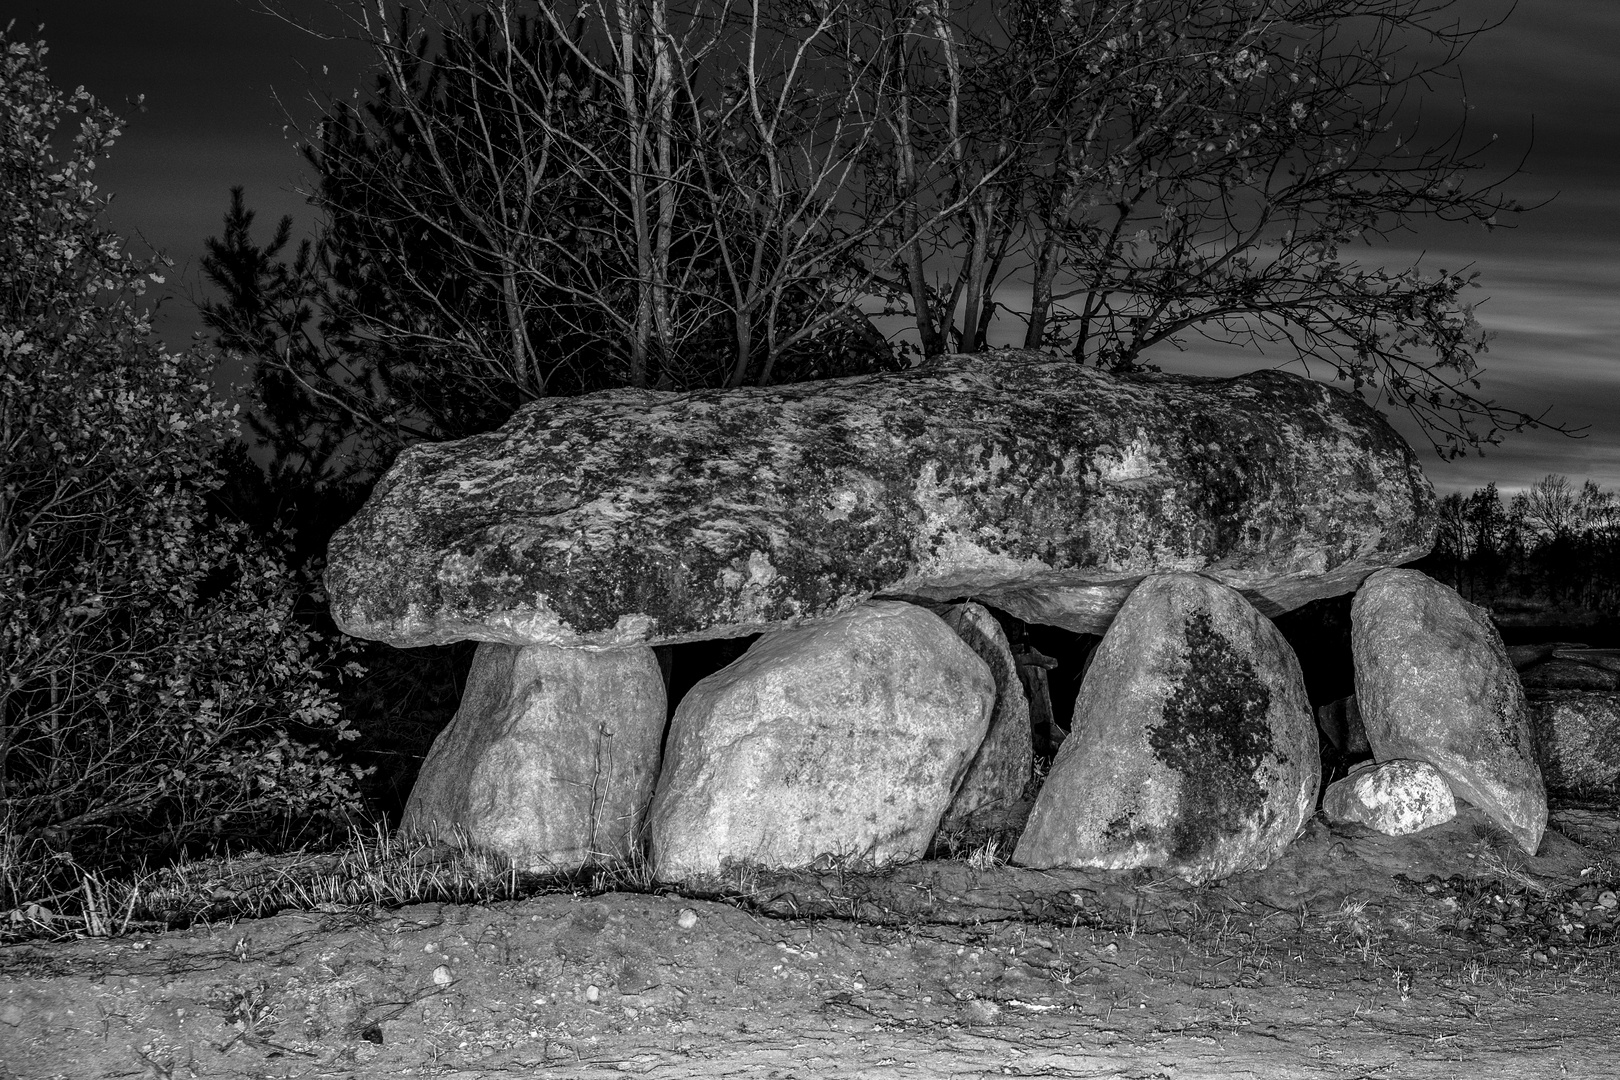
[(1439, 955)]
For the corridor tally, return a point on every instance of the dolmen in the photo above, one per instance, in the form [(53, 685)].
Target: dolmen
[(869, 529)]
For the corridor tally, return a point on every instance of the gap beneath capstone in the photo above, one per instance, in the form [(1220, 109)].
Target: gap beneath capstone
[(685, 665)]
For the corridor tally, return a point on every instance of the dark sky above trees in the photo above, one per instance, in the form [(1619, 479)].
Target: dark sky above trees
[(222, 80)]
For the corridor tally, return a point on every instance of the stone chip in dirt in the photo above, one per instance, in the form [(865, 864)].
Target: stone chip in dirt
[(979, 1012)]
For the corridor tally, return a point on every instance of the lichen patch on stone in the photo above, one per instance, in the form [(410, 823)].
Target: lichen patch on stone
[(1216, 734)]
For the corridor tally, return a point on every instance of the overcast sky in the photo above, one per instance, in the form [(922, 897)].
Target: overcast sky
[(220, 78)]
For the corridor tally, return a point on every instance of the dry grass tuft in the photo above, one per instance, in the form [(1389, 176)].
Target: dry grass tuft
[(1512, 877), (373, 871), (988, 856)]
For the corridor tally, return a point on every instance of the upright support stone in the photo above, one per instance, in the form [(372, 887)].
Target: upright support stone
[(844, 740), (1434, 683), (1000, 769), (552, 757), (1192, 747)]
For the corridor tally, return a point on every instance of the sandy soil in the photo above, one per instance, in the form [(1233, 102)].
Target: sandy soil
[(1439, 955)]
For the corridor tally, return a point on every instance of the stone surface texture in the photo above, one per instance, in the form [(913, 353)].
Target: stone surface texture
[(1566, 672), (551, 758), (1433, 683), (1001, 769), (1192, 748), (1392, 797), (1030, 483), (839, 742), (1577, 736)]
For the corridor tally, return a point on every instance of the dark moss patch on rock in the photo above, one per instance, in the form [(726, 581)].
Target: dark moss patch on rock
[(1216, 735)]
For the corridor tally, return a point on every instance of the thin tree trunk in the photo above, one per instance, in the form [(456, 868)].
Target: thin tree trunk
[(745, 347), (983, 218), (5, 743), (1040, 291), (974, 273), (987, 312), (524, 365), (642, 332), (1096, 294), (916, 279), (768, 368), (663, 110), (53, 726)]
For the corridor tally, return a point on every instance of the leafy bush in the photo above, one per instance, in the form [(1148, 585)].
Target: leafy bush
[(157, 689)]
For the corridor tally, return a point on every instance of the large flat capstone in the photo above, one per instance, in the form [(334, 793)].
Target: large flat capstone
[(1022, 481)]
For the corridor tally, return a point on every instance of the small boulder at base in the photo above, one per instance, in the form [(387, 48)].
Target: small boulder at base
[(843, 740), (1392, 797), (1434, 683), (1000, 770), (552, 756), (1577, 737), (1193, 747)]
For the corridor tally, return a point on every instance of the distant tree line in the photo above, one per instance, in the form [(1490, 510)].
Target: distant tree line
[(1553, 544)]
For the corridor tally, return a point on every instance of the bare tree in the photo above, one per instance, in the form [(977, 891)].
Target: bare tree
[(1143, 170), (1553, 509), (482, 187), (801, 101), (626, 187), (1599, 509)]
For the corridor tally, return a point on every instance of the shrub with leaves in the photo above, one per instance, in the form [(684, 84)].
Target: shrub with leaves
[(157, 690)]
